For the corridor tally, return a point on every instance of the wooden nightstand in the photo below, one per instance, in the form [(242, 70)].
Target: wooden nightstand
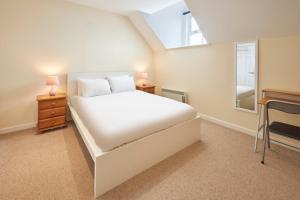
[(146, 88), (51, 111)]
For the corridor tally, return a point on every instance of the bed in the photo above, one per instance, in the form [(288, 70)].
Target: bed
[(128, 132), (245, 97)]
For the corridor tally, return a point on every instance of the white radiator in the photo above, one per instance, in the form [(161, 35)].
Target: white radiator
[(174, 94)]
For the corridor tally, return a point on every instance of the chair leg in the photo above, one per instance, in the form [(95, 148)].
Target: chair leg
[(264, 123), (266, 133), (269, 146), (267, 127)]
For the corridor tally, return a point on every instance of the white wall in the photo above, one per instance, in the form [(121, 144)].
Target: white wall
[(167, 24), (45, 37), (206, 73)]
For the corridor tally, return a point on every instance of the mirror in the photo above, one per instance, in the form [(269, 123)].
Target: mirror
[(246, 76)]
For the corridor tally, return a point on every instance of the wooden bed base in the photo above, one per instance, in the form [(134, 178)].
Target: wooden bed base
[(118, 165)]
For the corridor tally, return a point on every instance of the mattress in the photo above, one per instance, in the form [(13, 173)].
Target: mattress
[(116, 119)]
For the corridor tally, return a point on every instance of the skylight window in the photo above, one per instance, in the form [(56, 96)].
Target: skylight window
[(175, 28), (191, 31)]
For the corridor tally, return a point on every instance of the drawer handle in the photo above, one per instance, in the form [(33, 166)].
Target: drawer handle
[(53, 113), (53, 103)]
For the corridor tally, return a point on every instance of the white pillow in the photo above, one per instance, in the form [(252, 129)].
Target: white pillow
[(121, 83), (93, 87)]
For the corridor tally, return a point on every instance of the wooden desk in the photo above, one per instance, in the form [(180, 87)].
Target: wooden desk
[(265, 100), (268, 95), (284, 92)]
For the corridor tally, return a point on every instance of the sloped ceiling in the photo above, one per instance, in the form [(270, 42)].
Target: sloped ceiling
[(125, 7), (222, 20), (234, 20), (138, 19)]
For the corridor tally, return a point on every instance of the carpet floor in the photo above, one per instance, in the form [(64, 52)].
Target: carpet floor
[(56, 165)]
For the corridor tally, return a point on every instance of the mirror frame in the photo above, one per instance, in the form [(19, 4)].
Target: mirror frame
[(256, 77)]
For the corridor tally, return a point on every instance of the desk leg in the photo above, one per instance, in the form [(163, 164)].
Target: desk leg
[(258, 127), (264, 151)]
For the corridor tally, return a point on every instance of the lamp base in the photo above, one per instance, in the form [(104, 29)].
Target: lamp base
[(52, 92)]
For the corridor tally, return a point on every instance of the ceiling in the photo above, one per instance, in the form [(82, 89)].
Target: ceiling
[(235, 20), (222, 21), (124, 7)]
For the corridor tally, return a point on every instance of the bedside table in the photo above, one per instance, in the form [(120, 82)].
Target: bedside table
[(51, 111), (146, 88)]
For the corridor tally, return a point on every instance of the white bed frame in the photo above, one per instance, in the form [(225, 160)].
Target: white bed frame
[(118, 165)]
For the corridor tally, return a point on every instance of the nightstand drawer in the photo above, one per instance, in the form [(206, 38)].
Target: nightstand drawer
[(146, 88), (52, 122), (149, 90), (55, 103), (54, 112)]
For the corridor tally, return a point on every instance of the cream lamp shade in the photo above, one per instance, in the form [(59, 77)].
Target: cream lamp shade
[(144, 77), (52, 81)]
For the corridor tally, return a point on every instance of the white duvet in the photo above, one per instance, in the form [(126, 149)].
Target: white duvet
[(120, 118)]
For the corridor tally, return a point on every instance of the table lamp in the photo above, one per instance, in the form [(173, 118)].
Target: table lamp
[(52, 81), (144, 77)]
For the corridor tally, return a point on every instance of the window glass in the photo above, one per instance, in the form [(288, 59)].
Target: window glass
[(191, 30), (194, 25), (197, 38), (175, 26)]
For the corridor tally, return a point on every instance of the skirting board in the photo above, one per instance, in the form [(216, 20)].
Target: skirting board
[(228, 124), (17, 128), (241, 129)]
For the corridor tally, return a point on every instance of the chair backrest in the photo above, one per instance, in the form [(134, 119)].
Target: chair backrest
[(283, 106)]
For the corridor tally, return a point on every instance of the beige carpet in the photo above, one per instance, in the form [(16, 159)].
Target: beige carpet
[(56, 165)]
